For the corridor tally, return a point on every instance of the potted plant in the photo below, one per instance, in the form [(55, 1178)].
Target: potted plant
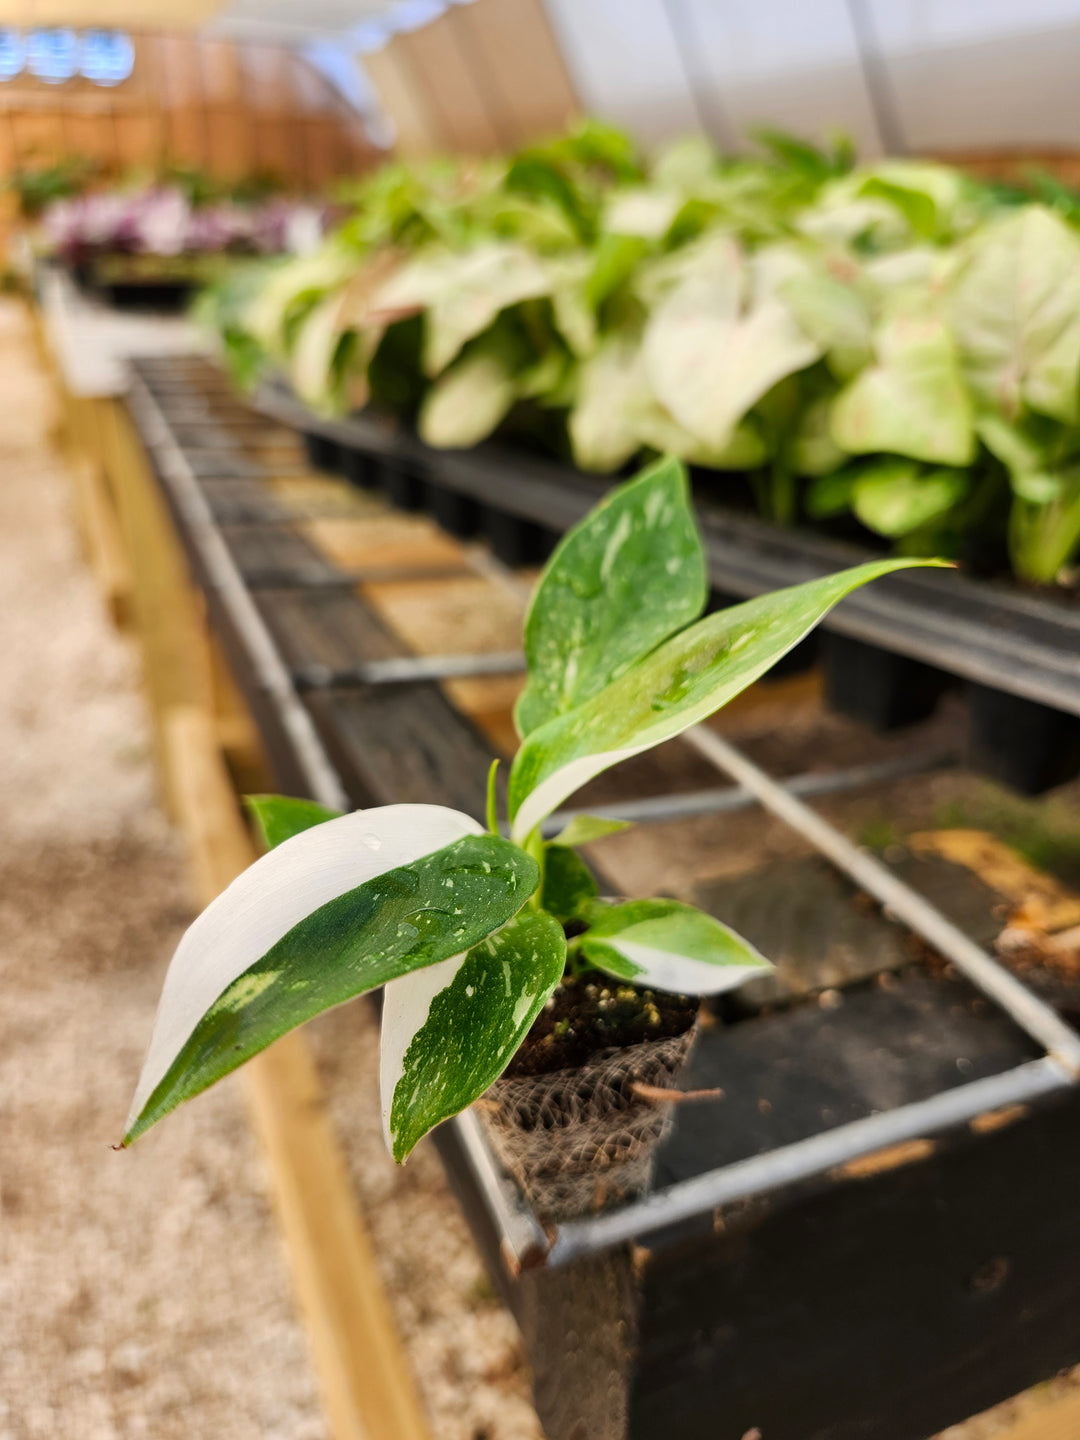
[(498, 951)]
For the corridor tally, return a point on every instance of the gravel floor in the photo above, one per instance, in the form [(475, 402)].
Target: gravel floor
[(141, 1294)]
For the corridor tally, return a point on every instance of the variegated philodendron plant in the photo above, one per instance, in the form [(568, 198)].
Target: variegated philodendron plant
[(465, 929)]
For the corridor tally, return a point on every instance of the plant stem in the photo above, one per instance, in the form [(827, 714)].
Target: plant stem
[(492, 799)]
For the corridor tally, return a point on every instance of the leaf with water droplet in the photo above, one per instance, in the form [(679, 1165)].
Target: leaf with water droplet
[(314, 922), (630, 575), (448, 1032), (681, 682)]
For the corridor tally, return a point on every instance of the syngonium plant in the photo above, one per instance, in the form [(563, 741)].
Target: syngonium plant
[(464, 928), (895, 341)]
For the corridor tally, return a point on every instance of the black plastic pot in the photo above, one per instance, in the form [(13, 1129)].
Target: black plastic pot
[(322, 452), (1024, 745), (515, 541), (878, 687), (458, 514), (402, 484), (359, 468)]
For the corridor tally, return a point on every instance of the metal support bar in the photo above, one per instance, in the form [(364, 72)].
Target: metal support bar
[(722, 800), (804, 1159), (314, 579), (1026, 1008), (408, 669)]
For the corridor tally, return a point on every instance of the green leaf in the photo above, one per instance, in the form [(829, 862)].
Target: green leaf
[(569, 884), (681, 682), (629, 575), (895, 497), (812, 449), (450, 1031), (912, 401), (280, 817), (831, 494), (1024, 449), (613, 262), (1044, 537), (1015, 312), (584, 829), (927, 195), (265, 956), (467, 401), (667, 945)]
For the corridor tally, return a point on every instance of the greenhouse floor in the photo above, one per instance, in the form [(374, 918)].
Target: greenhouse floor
[(147, 1294)]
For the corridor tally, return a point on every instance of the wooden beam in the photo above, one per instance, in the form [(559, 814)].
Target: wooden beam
[(417, 129), (101, 536), (1054, 1420)]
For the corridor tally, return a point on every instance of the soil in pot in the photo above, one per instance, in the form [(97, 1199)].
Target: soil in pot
[(576, 1118)]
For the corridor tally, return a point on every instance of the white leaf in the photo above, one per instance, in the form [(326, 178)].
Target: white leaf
[(467, 401), (641, 211), (273, 895)]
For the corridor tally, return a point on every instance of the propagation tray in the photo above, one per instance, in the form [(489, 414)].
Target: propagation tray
[(873, 1234)]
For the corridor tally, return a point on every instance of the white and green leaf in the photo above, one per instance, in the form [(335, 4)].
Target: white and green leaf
[(467, 401), (338, 909), (657, 428), (912, 400), (611, 392), (1015, 312), (835, 316), (666, 945), (461, 293), (624, 579), (707, 362), (678, 684), (449, 1031)]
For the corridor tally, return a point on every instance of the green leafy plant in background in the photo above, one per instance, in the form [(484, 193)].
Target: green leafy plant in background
[(37, 186), (894, 342), (469, 932)]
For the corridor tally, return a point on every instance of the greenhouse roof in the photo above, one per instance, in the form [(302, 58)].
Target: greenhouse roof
[(295, 21)]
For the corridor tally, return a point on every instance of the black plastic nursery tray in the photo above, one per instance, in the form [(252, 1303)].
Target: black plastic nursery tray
[(889, 652), (870, 1230)]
